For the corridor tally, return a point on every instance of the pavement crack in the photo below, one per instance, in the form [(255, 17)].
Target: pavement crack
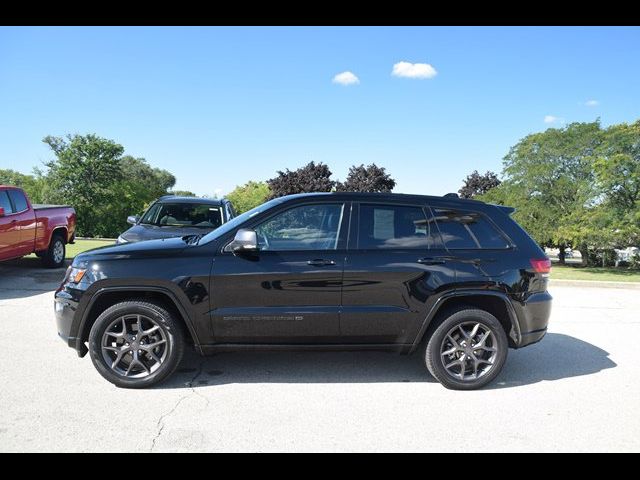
[(161, 421)]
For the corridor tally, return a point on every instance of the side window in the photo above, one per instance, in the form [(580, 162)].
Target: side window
[(396, 226), (307, 227), (5, 203), (19, 200), (470, 230)]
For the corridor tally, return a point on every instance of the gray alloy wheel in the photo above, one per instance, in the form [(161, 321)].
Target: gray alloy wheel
[(467, 350), (134, 346), (136, 343)]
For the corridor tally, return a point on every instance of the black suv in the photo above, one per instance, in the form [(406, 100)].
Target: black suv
[(457, 280)]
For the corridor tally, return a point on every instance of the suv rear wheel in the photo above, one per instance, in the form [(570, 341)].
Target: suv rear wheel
[(467, 350), (136, 344)]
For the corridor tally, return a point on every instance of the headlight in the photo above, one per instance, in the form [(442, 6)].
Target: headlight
[(121, 239), (74, 275)]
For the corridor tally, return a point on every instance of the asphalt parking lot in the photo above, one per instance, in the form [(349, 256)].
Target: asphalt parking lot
[(577, 390)]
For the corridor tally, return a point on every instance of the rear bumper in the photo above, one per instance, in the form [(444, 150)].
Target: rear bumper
[(533, 317)]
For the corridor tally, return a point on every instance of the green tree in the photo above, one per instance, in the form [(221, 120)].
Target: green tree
[(35, 185), (183, 193), (247, 196), (139, 185), (85, 174), (549, 178)]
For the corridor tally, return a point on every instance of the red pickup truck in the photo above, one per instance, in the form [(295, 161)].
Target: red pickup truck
[(26, 228)]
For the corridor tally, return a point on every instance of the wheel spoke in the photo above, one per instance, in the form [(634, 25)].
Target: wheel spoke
[(451, 351), (474, 331), (151, 346)]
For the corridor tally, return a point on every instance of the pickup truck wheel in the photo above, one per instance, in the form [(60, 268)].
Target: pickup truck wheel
[(467, 350), (136, 344), (55, 254)]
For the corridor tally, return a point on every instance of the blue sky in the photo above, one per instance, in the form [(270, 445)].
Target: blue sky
[(221, 106)]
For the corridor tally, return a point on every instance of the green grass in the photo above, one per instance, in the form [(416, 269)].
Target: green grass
[(608, 274), (83, 245)]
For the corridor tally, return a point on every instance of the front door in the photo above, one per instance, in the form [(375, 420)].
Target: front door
[(289, 292), (9, 229), (396, 266)]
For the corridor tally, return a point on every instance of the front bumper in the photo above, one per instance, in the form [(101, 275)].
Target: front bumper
[(533, 317), (65, 309)]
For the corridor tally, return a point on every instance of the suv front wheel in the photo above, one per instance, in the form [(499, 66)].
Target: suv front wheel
[(136, 344), (467, 350)]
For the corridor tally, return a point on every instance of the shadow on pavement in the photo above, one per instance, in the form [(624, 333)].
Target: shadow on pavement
[(557, 357), (26, 277)]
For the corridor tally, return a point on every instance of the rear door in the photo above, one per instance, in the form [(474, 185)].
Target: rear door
[(480, 251), (396, 266)]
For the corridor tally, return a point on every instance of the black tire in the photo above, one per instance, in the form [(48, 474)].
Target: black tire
[(171, 332), (54, 256), (440, 343)]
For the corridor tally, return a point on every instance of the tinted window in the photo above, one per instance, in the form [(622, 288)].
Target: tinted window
[(5, 203), (307, 227), (462, 229), (183, 215), (396, 226), (19, 200)]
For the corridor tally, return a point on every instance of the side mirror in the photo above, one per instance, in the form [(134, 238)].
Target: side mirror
[(133, 219), (1, 211), (245, 241)]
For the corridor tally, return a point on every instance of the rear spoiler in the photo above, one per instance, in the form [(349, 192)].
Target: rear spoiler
[(505, 209)]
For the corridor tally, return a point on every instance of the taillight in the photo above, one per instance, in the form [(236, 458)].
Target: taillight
[(541, 265)]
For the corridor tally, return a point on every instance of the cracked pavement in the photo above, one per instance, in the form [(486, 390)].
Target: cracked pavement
[(577, 390)]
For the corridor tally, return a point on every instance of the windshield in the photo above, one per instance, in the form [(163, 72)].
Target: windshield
[(237, 221), (183, 215)]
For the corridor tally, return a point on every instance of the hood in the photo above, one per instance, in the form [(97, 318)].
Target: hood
[(150, 248), (139, 233)]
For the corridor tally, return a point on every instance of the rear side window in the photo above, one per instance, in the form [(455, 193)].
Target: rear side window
[(5, 203), (19, 200), (468, 230), (396, 226)]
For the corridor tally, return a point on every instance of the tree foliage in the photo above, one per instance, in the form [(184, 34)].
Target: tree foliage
[(367, 179), (91, 174), (247, 196), (476, 184), (577, 186), (310, 178)]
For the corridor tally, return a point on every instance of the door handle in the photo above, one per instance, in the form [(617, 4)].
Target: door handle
[(320, 262), (431, 261)]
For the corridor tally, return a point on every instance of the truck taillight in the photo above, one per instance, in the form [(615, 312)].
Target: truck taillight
[(541, 265)]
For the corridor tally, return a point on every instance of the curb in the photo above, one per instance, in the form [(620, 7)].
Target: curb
[(594, 284)]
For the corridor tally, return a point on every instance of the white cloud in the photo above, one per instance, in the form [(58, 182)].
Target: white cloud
[(592, 103), (551, 119), (346, 78), (413, 70)]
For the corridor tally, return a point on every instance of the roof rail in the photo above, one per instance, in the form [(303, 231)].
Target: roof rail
[(451, 195)]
